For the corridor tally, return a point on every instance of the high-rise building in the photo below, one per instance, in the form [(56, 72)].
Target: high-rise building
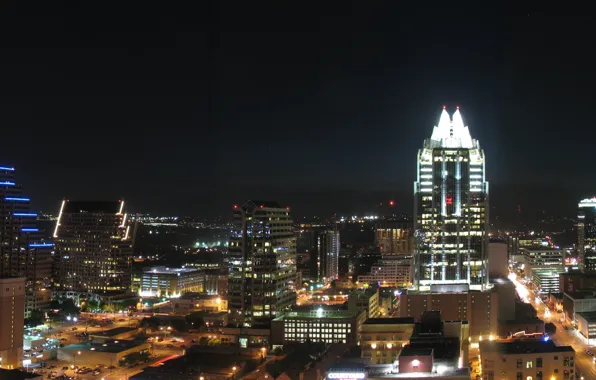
[(586, 235), (262, 266), (451, 208), (23, 250), (328, 247), (93, 247), (394, 238), (12, 307)]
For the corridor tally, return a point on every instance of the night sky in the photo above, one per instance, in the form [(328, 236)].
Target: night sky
[(321, 106)]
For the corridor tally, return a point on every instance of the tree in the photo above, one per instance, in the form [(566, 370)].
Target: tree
[(37, 318), (150, 323), (66, 306), (179, 325), (92, 305), (195, 320)]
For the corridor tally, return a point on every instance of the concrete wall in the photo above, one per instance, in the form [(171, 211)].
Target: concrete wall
[(498, 263)]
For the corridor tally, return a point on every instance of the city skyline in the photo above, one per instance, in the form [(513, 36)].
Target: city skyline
[(191, 112)]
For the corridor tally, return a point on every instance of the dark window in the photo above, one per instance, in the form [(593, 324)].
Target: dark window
[(538, 362)]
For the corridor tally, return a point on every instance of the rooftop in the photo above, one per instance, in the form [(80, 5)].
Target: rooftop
[(579, 295), (15, 374), (319, 313), (265, 204), (451, 133), (115, 331), (389, 321), (523, 347), (167, 270), (412, 351), (201, 296), (111, 207), (112, 346), (589, 316)]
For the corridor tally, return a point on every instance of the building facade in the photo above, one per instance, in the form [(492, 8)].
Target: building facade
[(479, 308), (93, 247), (262, 266), (586, 235), (171, 282), (451, 208), (390, 273), (382, 339), (320, 325), (394, 238), (328, 248), (367, 300), (12, 316), (526, 360), (23, 250)]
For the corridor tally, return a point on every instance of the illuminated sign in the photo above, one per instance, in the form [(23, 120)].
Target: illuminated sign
[(449, 200), (346, 375)]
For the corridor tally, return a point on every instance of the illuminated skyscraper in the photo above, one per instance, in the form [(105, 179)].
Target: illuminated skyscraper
[(93, 247), (328, 247), (23, 251), (586, 235), (262, 266), (451, 208)]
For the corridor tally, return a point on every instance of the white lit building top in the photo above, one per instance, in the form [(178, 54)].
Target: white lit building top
[(588, 202), (451, 133)]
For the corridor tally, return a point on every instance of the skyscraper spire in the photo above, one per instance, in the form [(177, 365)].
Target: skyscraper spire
[(452, 133), (441, 131), (458, 122)]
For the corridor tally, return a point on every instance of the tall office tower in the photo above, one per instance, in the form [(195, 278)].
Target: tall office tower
[(586, 235), (12, 318), (394, 238), (328, 247), (93, 247), (262, 266), (451, 209), (23, 251)]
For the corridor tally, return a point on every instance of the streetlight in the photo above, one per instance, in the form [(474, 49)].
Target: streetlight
[(233, 372)]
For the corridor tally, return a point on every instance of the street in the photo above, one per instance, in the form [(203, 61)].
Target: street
[(571, 337)]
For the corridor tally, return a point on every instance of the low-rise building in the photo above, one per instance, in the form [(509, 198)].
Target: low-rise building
[(479, 308), (367, 300), (578, 302), (109, 352), (190, 302), (382, 339), (318, 325), (389, 273), (523, 359), (544, 258), (115, 334), (171, 282), (546, 281), (246, 337), (586, 326)]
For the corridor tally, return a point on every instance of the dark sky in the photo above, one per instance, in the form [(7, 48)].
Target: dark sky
[(319, 105)]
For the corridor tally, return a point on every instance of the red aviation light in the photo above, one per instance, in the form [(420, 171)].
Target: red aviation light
[(235, 206), (391, 203), (288, 208), (457, 107), (261, 206), (444, 107)]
